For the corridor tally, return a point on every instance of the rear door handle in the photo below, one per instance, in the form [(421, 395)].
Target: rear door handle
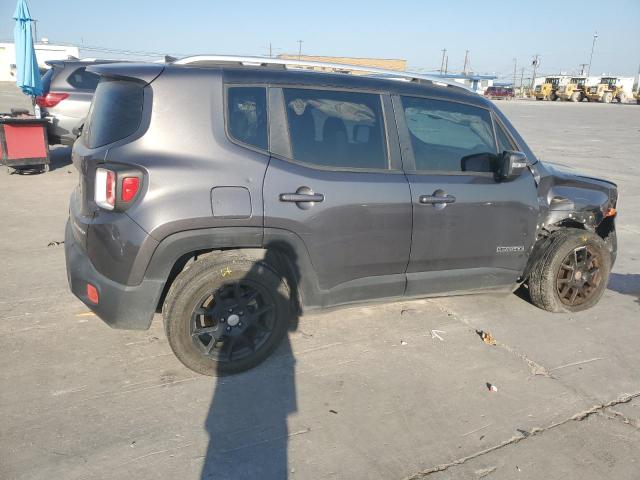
[(304, 198), (301, 197), (436, 199)]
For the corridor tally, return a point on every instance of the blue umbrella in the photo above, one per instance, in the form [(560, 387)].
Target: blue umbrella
[(27, 72)]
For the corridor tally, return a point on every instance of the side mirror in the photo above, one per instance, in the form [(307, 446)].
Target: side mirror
[(511, 164)]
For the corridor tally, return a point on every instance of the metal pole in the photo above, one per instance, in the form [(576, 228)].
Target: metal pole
[(466, 61), (593, 44), (444, 52), (270, 51), (299, 49), (535, 69), (582, 65), (521, 83), (515, 69), (446, 64)]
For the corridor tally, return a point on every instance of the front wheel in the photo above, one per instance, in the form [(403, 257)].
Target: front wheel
[(226, 314), (573, 272)]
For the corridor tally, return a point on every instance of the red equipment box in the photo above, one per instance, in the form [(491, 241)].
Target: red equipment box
[(23, 143)]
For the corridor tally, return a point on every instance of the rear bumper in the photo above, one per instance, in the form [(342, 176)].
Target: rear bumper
[(120, 306)]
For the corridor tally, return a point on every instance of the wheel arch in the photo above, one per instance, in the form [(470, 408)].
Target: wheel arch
[(283, 251)]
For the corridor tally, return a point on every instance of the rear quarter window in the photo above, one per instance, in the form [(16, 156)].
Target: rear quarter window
[(83, 80), (116, 112)]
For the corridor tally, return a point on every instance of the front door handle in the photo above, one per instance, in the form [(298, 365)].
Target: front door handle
[(436, 200), (439, 199), (304, 198)]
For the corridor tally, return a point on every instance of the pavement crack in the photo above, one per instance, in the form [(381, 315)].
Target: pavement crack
[(534, 367), (625, 398), (621, 417)]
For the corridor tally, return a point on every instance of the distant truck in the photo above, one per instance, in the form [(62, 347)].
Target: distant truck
[(576, 89), (547, 90), (498, 93), (610, 89)]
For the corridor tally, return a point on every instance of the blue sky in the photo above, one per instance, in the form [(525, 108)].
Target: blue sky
[(494, 32)]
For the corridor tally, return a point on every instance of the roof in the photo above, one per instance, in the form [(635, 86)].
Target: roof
[(295, 72)]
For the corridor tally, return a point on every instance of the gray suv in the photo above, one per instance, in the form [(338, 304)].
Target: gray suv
[(67, 93), (231, 197)]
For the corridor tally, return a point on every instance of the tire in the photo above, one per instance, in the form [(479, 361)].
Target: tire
[(553, 97), (551, 282), (622, 98), (607, 97), (213, 279), (575, 97)]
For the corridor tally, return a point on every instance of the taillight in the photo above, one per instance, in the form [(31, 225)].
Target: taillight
[(116, 187), (130, 187), (105, 188), (51, 99)]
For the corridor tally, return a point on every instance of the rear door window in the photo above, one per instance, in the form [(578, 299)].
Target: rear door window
[(116, 112), (450, 137), (336, 128), (247, 115)]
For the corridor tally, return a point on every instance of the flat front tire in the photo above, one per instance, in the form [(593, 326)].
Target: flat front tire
[(572, 273), (226, 314)]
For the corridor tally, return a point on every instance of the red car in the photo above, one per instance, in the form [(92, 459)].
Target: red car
[(497, 93)]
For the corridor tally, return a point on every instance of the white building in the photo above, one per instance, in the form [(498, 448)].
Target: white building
[(44, 51)]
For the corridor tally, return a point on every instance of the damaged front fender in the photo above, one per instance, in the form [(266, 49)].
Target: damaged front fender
[(566, 199)]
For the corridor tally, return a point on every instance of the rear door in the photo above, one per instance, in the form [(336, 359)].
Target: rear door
[(337, 184), (469, 230)]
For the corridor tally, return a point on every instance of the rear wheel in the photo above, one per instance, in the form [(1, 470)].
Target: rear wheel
[(575, 97), (573, 272), (622, 98), (226, 314), (607, 97)]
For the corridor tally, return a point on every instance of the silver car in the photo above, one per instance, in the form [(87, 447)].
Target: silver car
[(68, 90)]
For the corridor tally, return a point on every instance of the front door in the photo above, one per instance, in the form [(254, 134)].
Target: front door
[(342, 193), (470, 232)]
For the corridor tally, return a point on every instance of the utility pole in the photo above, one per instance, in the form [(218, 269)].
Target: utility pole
[(270, 51), (515, 69), (535, 63), (444, 52), (446, 64), (299, 49), (582, 65), (521, 83), (593, 44), (466, 62)]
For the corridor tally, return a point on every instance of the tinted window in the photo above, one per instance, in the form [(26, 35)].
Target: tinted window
[(247, 115), (448, 136), (83, 80), (504, 142), (336, 129), (115, 113)]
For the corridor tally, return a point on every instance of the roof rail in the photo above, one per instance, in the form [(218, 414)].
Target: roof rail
[(324, 66)]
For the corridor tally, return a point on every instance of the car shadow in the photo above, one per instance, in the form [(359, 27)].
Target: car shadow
[(626, 284), (247, 420)]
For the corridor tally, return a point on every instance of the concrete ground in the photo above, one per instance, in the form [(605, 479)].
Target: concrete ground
[(356, 393)]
